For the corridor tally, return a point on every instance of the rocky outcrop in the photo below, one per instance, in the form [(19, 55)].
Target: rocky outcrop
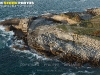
[(42, 34), (14, 21), (71, 18), (94, 11), (67, 47)]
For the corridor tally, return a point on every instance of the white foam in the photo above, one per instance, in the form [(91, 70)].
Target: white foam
[(7, 35), (64, 74), (87, 72), (10, 36), (80, 1), (2, 28), (9, 32), (3, 35), (71, 74), (8, 17), (33, 54), (33, 73), (6, 32), (68, 74), (47, 13)]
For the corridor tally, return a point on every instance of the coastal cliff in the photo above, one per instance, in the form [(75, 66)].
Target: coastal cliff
[(67, 47), (72, 37)]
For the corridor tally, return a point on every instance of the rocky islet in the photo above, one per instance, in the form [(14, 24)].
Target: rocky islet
[(51, 36)]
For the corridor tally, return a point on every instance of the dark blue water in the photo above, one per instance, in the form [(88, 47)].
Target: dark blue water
[(16, 62)]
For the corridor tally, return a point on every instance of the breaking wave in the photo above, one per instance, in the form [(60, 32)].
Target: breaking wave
[(32, 54), (5, 37), (7, 40)]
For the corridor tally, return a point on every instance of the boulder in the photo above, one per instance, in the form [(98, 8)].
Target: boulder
[(94, 11)]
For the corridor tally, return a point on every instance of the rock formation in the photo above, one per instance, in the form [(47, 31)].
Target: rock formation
[(94, 11), (48, 35), (67, 47), (14, 21)]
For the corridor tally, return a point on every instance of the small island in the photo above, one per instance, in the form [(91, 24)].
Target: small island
[(72, 37)]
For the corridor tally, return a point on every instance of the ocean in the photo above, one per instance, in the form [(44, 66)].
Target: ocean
[(16, 62)]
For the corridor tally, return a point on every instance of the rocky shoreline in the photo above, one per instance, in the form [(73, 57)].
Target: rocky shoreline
[(70, 37)]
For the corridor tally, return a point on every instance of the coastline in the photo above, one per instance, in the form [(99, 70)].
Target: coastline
[(43, 35)]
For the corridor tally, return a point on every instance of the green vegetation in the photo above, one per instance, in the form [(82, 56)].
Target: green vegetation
[(81, 31), (86, 23), (95, 17), (95, 37), (92, 23), (63, 27), (88, 27)]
